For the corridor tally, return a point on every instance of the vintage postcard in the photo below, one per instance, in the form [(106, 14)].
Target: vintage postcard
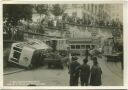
[(63, 44), (64, 89)]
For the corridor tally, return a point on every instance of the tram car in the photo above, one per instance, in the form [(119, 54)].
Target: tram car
[(110, 50), (28, 54)]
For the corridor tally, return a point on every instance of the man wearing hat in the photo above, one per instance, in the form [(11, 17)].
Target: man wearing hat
[(85, 73), (96, 72), (74, 68)]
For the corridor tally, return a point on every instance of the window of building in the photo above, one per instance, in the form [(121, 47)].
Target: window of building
[(72, 46), (82, 46), (93, 46), (77, 46), (87, 46)]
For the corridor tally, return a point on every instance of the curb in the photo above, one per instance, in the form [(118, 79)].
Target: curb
[(14, 72)]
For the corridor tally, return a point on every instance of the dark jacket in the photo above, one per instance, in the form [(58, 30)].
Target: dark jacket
[(95, 79), (85, 72), (74, 68)]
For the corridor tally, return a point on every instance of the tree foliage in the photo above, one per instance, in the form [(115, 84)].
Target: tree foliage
[(42, 9), (57, 9), (15, 12)]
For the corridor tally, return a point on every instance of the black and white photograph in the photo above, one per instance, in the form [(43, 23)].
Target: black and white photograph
[(63, 44), (64, 89)]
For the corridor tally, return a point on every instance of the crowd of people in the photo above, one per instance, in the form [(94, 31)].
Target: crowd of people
[(54, 23), (12, 33), (59, 24), (90, 21), (88, 75)]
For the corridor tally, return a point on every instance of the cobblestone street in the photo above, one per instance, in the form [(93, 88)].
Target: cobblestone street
[(112, 75)]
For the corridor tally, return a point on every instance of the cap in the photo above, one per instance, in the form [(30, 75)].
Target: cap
[(74, 58), (95, 60), (85, 60)]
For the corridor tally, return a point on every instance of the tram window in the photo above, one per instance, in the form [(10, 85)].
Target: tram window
[(77, 46), (93, 46), (16, 55), (87, 46), (72, 46), (82, 46)]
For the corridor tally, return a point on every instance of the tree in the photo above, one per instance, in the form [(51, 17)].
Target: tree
[(57, 9), (13, 13), (42, 9)]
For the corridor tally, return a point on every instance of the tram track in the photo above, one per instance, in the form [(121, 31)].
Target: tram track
[(15, 71), (114, 72)]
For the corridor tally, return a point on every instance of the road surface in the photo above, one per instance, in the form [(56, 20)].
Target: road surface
[(112, 75)]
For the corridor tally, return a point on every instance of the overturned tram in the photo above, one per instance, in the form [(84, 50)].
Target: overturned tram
[(28, 54)]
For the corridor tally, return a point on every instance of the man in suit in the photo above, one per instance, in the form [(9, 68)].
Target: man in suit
[(85, 73), (96, 72), (74, 69)]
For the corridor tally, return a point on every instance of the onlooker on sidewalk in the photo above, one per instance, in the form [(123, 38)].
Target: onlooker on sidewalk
[(74, 68), (85, 73), (95, 79)]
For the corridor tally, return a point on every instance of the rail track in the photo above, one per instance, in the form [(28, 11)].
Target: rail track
[(110, 68), (15, 71)]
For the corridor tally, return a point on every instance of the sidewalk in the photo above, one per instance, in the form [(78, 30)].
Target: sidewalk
[(11, 70)]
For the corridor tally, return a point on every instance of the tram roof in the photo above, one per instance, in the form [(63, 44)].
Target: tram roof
[(35, 44)]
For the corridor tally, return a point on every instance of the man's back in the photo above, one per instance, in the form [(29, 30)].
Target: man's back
[(96, 70), (95, 75), (74, 67), (85, 69)]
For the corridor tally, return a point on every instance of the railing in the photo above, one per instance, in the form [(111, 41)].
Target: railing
[(46, 28), (25, 35), (109, 27)]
